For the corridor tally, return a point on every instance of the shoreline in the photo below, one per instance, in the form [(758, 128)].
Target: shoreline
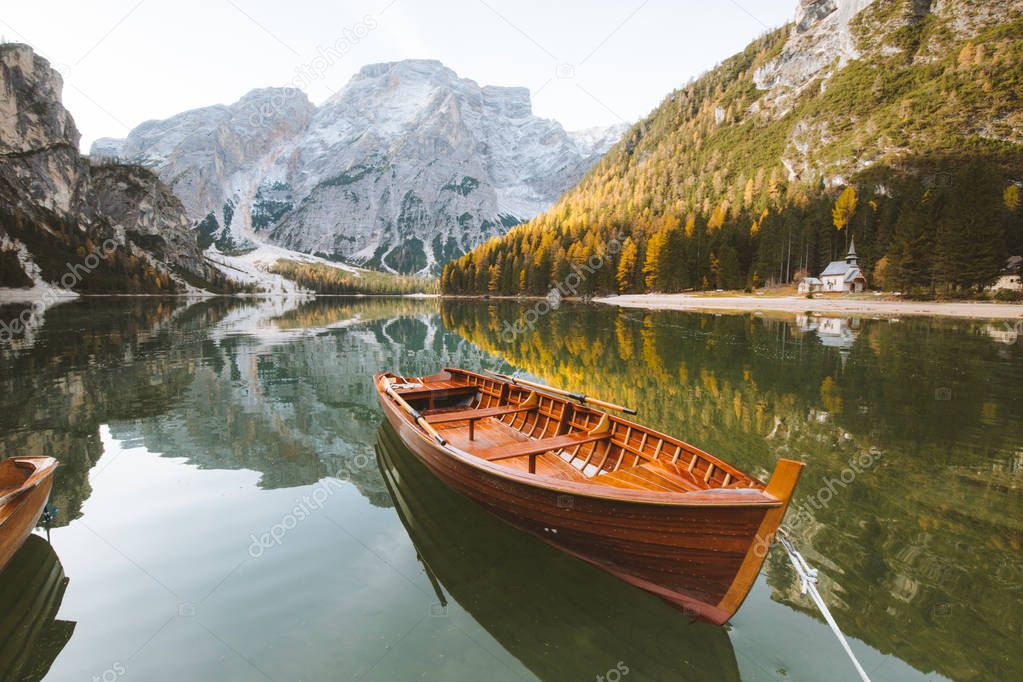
[(728, 303), (835, 306), (30, 296)]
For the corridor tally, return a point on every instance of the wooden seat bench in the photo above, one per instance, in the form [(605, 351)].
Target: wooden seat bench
[(473, 414), (532, 448), (435, 391)]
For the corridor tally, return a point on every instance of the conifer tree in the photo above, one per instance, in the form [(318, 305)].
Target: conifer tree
[(844, 209), (656, 265), (626, 272)]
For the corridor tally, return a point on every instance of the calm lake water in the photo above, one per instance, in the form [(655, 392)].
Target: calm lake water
[(230, 508)]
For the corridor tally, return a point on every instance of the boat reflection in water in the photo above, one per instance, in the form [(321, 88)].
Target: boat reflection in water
[(557, 615), (31, 589)]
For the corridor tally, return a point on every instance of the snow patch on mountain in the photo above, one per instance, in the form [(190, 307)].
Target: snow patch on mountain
[(253, 268)]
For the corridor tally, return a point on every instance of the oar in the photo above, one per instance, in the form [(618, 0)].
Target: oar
[(582, 398), (413, 412)]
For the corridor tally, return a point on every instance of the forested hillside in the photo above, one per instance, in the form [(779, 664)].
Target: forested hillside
[(328, 279), (913, 144)]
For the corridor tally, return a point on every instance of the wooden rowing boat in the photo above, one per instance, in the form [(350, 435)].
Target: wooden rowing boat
[(646, 507), (25, 484), (556, 616)]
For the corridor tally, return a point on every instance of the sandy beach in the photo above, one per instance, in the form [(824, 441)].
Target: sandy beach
[(835, 306)]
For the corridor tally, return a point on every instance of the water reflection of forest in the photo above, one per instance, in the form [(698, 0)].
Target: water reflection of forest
[(921, 552)]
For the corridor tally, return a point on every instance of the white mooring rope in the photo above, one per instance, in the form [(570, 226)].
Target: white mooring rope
[(808, 578)]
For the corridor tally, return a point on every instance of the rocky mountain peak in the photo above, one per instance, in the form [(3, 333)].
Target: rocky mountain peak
[(31, 113), (287, 108), (406, 166), (203, 154), (405, 67)]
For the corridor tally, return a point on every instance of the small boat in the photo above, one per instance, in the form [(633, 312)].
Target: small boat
[(25, 484), (648, 508), (556, 616)]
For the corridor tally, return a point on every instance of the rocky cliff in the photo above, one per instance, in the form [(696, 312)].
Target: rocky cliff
[(406, 167), (69, 223), (820, 42)]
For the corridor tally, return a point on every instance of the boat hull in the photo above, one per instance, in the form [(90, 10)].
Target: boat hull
[(702, 558), (20, 513), (543, 592)]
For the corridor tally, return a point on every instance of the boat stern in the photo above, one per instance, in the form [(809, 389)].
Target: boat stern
[(781, 486)]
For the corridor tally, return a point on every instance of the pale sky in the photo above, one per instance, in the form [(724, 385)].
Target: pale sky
[(585, 63)]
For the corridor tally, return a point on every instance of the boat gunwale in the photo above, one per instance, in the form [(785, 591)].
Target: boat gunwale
[(712, 497), (42, 468)]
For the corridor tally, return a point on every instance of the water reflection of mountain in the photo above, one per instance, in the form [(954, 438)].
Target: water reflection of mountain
[(92, 363), (32, 587), (920, 553), (293, 398), (556, 615), (279, 387)]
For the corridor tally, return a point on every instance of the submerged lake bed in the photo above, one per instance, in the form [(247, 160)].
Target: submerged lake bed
[(231, 506)]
